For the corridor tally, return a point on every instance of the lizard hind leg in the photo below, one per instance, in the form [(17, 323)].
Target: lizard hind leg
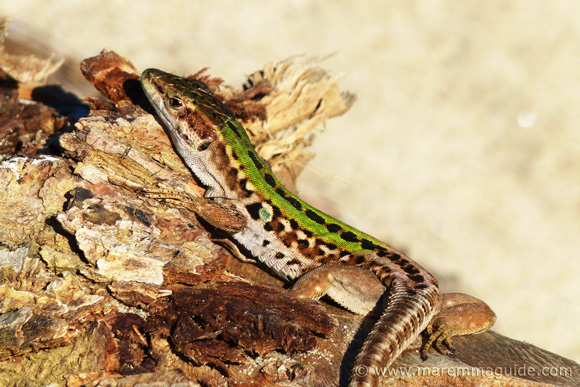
[(410, 305), (460, 314)]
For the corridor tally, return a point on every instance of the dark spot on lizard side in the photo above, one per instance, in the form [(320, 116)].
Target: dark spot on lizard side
[(349, 236), (331, 246), (270, 180), (396, 257), (295, 202), (293, 261), (279, 255), (234, 128), (293, 224), (354, 259), (359, 259), (255, 159), (315, 217), (367, 244), (333, 227), (276, 211), (254, 210), (392, 255), (265, 242), (411, 270)]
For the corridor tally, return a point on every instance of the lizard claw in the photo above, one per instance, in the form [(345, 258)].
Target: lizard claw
[(440, 338)]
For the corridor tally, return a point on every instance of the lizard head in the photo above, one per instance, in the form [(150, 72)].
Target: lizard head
[(186, 105), (203, 130)]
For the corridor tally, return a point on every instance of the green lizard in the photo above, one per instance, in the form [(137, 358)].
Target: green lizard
[(300, 242)]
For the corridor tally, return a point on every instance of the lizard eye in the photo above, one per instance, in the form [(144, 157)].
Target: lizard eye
[(203, 146), (175, 103)]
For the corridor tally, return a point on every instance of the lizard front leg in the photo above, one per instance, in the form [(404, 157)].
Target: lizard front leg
[(219, 215)]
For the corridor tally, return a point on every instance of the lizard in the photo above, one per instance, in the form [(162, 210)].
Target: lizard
[(301, 244)]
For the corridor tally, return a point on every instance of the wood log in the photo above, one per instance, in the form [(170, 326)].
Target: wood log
[(102, 284)]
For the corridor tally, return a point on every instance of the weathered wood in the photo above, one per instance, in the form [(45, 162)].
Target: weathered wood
[(103, 284)]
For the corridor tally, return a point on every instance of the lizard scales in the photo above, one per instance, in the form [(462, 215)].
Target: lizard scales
[(288, 235)]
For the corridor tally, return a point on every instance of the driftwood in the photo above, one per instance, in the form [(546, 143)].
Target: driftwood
[(102, 284)]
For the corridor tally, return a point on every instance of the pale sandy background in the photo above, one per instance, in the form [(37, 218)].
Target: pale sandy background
[(463, 148)]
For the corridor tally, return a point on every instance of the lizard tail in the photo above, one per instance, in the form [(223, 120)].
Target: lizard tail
[(408, 313)]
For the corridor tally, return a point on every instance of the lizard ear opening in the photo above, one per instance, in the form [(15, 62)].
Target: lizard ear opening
[(203, 146)]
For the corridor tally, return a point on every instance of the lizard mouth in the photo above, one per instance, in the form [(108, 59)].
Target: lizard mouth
[(154, 91)]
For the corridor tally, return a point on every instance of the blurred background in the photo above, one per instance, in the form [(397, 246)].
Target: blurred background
[(463, 148)]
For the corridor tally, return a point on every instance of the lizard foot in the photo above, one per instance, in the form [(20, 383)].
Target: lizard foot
[(438, 337), (460, 315)]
